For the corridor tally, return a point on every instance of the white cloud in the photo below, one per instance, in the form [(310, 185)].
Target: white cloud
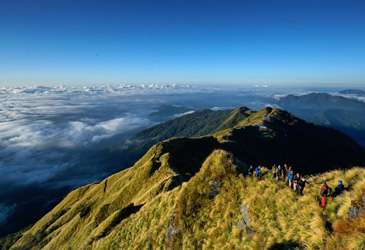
[(31, 150), (218, 108), (350, 96), (80, 132), (185, 113)]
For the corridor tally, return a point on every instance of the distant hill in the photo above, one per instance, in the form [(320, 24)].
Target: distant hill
[(344, 114), (321, 101), (192, 193), (199, 123), (357, 92)]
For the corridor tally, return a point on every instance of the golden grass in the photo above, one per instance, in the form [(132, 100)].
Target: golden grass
[(206, 212)]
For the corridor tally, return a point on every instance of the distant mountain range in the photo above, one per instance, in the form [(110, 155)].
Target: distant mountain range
[(192, 191), (336, 111), (357, 92), (344, 114)]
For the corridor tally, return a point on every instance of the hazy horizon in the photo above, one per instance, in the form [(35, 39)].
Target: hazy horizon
[(227, 85)]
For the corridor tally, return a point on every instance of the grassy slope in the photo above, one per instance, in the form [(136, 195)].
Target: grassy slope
[(199, 123), (9, 240), (149, 206), (205, 212)]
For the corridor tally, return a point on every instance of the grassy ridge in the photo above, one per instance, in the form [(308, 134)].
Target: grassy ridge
[(217, 208), (192, 193)]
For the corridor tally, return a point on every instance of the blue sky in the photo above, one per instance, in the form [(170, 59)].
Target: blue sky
[(277, 42)]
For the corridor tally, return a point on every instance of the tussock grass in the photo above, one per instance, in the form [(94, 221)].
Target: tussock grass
[(203, 213)]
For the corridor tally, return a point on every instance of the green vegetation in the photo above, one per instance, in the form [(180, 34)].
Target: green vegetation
[(167, 111), (199, 123), (193, 193), (196, 124)]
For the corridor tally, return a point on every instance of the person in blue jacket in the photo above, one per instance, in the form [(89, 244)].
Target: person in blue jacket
[(290, 177), (258, 172), (339, 189)]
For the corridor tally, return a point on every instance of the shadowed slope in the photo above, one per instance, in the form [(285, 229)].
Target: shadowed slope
[(273, 136), (344, 114)]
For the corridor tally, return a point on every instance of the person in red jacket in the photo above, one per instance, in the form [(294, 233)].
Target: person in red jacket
[(323, 194)]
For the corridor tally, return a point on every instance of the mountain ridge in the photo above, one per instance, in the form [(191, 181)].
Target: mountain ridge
[(184, 190)]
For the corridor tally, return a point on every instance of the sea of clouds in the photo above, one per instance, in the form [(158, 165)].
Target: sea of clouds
[(47, 134)]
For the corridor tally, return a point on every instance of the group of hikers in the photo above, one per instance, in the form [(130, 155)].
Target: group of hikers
[(326, 192), (285, 173), (297, 182)]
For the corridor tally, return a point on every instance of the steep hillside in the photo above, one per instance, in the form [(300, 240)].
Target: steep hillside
[(193, 193), (273, 136)]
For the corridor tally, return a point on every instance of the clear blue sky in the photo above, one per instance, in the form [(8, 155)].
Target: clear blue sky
[(277, 41)]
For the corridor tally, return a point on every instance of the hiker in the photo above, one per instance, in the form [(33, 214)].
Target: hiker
[(274, 171), (339, 189), (285, 171), (290, 177), (280, 172), (258, 172), (302, 183), (296, 182), (250, 170), (325, 191)]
